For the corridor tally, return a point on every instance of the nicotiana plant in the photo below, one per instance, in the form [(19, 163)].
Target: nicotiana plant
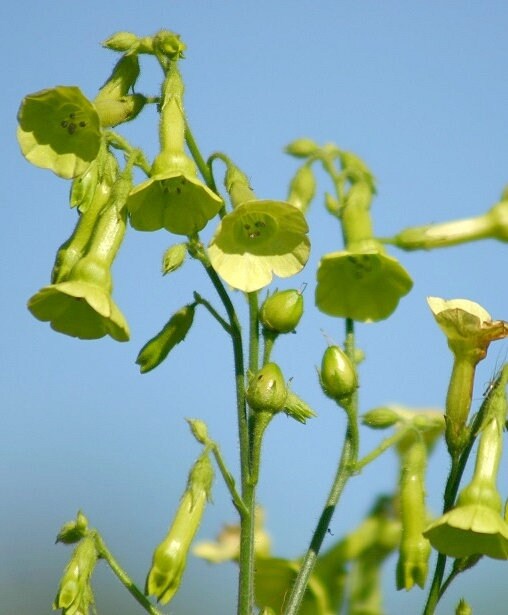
[(252, 241)]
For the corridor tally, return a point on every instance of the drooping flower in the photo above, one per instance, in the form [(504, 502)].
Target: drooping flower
[(59, 129), (82, 305), (474, 526), (257, 240), (365, 285), (173, 197)]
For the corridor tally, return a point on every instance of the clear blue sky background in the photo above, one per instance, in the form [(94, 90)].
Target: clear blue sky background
[(420, 91)]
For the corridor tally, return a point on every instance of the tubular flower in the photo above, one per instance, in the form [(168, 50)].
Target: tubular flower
[(82, 306), (59, 129), (475, 525), (361, 282), (257, 240), (173, 197), (170, 557), (469, 329)]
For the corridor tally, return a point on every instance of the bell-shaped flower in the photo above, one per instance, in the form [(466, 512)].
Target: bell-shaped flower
[(475, 525), (469, 329), (173, 197), (360, 282), (59, 129), (364, 284), (170, 557), (82, 306), (257, 240)]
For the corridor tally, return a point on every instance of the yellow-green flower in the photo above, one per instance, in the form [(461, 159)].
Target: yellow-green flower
[(173, 198), (257, 240), (365, 285), (475, 525), (59, 129), (81, 305), (468, 327)]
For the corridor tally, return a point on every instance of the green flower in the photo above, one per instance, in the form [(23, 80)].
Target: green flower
[(259, 239), (365, 285), (173, 198), (59, 129), (475, 525), (80, 308), (81, 305)]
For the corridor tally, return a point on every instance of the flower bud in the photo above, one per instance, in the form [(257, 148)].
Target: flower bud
[(75, 594), (463, 608), (199, 430), (121, 41), (267, 390), (332, 204), (170, 557), (121, 80), (302, 148), (281, 312), (73, 531), (338, 376), (157, 349), (113, 111), (302, 188), (380, 418), (174, 258)]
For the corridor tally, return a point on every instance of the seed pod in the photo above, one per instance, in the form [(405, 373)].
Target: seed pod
[(338, 376), (281, 312), (267, 390)]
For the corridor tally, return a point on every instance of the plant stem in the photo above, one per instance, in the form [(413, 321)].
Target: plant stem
[(246, 559), (104, 553), (345, 470), (385, 445)]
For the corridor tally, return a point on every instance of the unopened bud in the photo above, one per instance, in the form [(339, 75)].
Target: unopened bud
[(338, 376), (281, 312)]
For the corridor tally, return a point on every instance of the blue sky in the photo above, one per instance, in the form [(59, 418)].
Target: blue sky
[(419, 91)]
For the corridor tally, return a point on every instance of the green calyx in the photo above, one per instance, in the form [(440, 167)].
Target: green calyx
[(282, 311), (267, 390), (59, 129), (257, 240)]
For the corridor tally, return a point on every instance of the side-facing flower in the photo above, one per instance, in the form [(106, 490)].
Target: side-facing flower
[(170, 557), (82, 305), (173, 197), (469, 329), (257, 240), (59, 129)]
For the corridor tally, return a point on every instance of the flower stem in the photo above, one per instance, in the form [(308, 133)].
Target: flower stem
[(104, 553), (346, 468)]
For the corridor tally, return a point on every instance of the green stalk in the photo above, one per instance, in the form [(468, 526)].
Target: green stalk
[(346, 468), (104, 553)]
